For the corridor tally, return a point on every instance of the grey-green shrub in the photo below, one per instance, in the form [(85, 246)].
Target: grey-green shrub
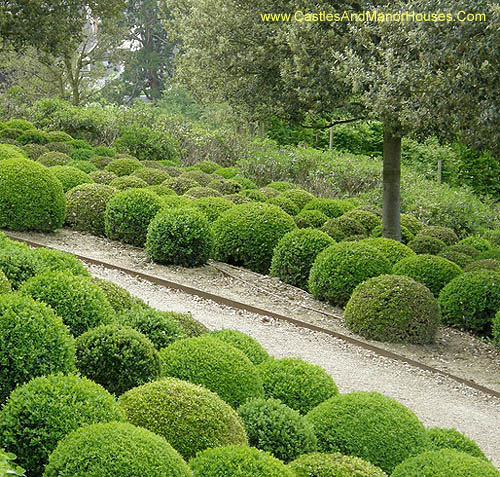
[(427, 245), (128, 182), (484, 264), (446, 234)]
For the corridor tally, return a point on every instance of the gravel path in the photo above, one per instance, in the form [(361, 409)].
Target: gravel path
[(436, 401)]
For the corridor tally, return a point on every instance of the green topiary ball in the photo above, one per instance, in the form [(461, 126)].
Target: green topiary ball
[(297, 384), (246, 183), (330, 207), (70, 177), (333, 465), (452, 439), (199, 192), (151, 176), (161, 190), (209, 167), (40, 413), (115, 449), (240, 198), (270, 192), (189, 417), (51, 159), (471, 300), (225, 186), (367, 219), (246, 234), (58, 136), (119, 298), (84, 166), (9, 151), (123, 166), (434, 272), (199, 176), (237, 461), (22, 124), (479, 243), (59, 147), (252, 349), (180, 237), (128, 215), (33, 137), (101, 162), (393, 308), (310, 218), (212, 363), (51, 260), (447, 235), (413, 225), (299, 196), (76, 299), (18, 263), (31, 198), (33, 151), (465, 249), (445, 462), (274, 427), (406, 235), (286, 204), (226, 172), (212, 207), (392, 250), (117, 357), (280, 186), (295, 254), (493, 253), (485, 264), (368, 425), (33, 342), (460, 259), (103, 177), (180, 184), (128, 182), (340, 268), (427, 245)]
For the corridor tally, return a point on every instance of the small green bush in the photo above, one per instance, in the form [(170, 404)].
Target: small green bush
[(274, 427), (426, 245), (115, 449), (180, 184), (51, 159), (209, 167), (330, 207), (212, 207), (191, 327), (225, 186), (101, 162), (40, 413), (280, 186), (33, 137), (70, 177), (58, 136), (151, 176), (58, 147), (87, 206), (485, 264), (198, 192), (226, 172), (34, 151), (479, 243), (297, 384), (300, 197), (368, 425), (22, 124), (18, 263), (340, 268), (128, 215), (413, 225), (128, 182), (119, 298), (446, 234), (191, 418), (256, 195), (84, 166), (161, 190), (8, 151), (79, 144), (76, 299), (252, 349), (51, 260), (493, 253), (238, 198), (310, 218), (11, 134), (270, 192), (174, 201), (199, 176), (406, 235), (465, 249), (288, 205), (452, 439), (458, 258), (81, 154), (392, 250), (123, 166), (245, 183), (103, 177), (367, 219)]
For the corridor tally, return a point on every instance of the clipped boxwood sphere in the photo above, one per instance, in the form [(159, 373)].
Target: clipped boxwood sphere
[(368, 425), (447, 235), (270, 191), (54, 158), (161, 190), (51, 260), (225, 186), (58, 136), (212, 363), (411, 223), (452, 439), (33, 341), (465, 249), (280, 186), (84, 166), (471, 300), (86, 207), (426, 244), (246, 183), (40, 413), (58, 147), (18, 263), (198, 192), (460, 259), (445, 462), (9, 151), (333, 465), (310, 218), (226, 172), (246, 234), (299, 196), (434, 272), (117, 357), (76, 299), (151, 176), (128, 182), (288, 205), (115, 449), (485, 264), (274, 427), (393, 308), (406, 235), (128, 215), (297, 384), (33, 137), (199, 176), (119, 298), (101, 162), (392, 250), (330, 207), (209, 167), (253, 350), (22, 124), (189, 417), (180, 237), (191, 326), (367, 219), (123, 166), (180, 184), (212, 207), (479, 243), (240, 198), (295, 254), (103, 177), (238, 461), (340, 268), (31, 198), (493, 253)]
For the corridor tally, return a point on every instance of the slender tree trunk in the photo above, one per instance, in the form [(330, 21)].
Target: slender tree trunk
[(391, 227)]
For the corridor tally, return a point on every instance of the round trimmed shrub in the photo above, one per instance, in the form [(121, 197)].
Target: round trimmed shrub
[(299, 196), (151, 176), (297, 384), (198, 192), (445, 462), (452, 439), (330, 207), (180, 237), (161, 190), (9, 151), (226, 172), (274, 427), (368, 425), (51, 159), (212, 363), (105, 151), (340, 268), (33, 137), (269, 192), (367, 219), (447, 235), (225, 186), (333, 465), (128, 215), (191, 418), (84, 166), (10, 134), (238, 198), (252, 349), (288, 205), (479, 243), (392, 250), (209, 167), (213, 207), (103, 177), (117, 357), (413, 225), (51, 260), (199, 176), (471, 300), (115, 449), (280, 186), (128, 182), (33, 151), (174, 201), (101, 162), (493, 253), (295, 254), (237, 461), (310, 218), (58, 136), (70, 177), (180, 184), (406, 235), (246, 234), (58, 147), (119, 298), (255, 195), (124, 166), (458, 258), (86, 207), (432, 271), (426, 245), (31, 198), (465, 249), (22, 124), (79, 144), (33, 341), (40, 413), (18, 263), (246, 183), (393, 308), (76, 299), (161, 327), (191, 327), (485, 264)]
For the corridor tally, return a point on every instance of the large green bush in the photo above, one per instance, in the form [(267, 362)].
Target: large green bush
[(368, 219), (286, 204), (411, 223), (484, 264), (297, 384), (392, 250), (427, 245), (40, 413), (128, 215), (9, 151), (393, 308), (70, 177), (52, 159), (180, 184), (128, 182), (18, 263), (446, 234), (123, 166), (33, 342), (118, 297), (31, 198), (212, 207), (406, 235), (150, 175), (253, 350), (199, 192), (310, 218), (103, 177), (199, 176), (212, 363), (479, 243), (76, 299), (32, 151), (190, 417), (340, 268), (452, 439), (51, 260), (115, 449), (246, 234), (459, 258), (33, 136), (330, 207), (368, 425), (299, 196)]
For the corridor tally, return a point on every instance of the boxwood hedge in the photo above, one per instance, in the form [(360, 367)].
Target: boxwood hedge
[(253, 350)]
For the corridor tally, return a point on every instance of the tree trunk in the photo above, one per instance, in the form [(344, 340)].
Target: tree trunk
[(391, 179)]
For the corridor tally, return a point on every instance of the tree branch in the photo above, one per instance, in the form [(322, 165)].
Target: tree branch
[(343, 121)]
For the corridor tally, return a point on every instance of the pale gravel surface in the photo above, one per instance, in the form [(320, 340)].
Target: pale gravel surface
[(436, 401)]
